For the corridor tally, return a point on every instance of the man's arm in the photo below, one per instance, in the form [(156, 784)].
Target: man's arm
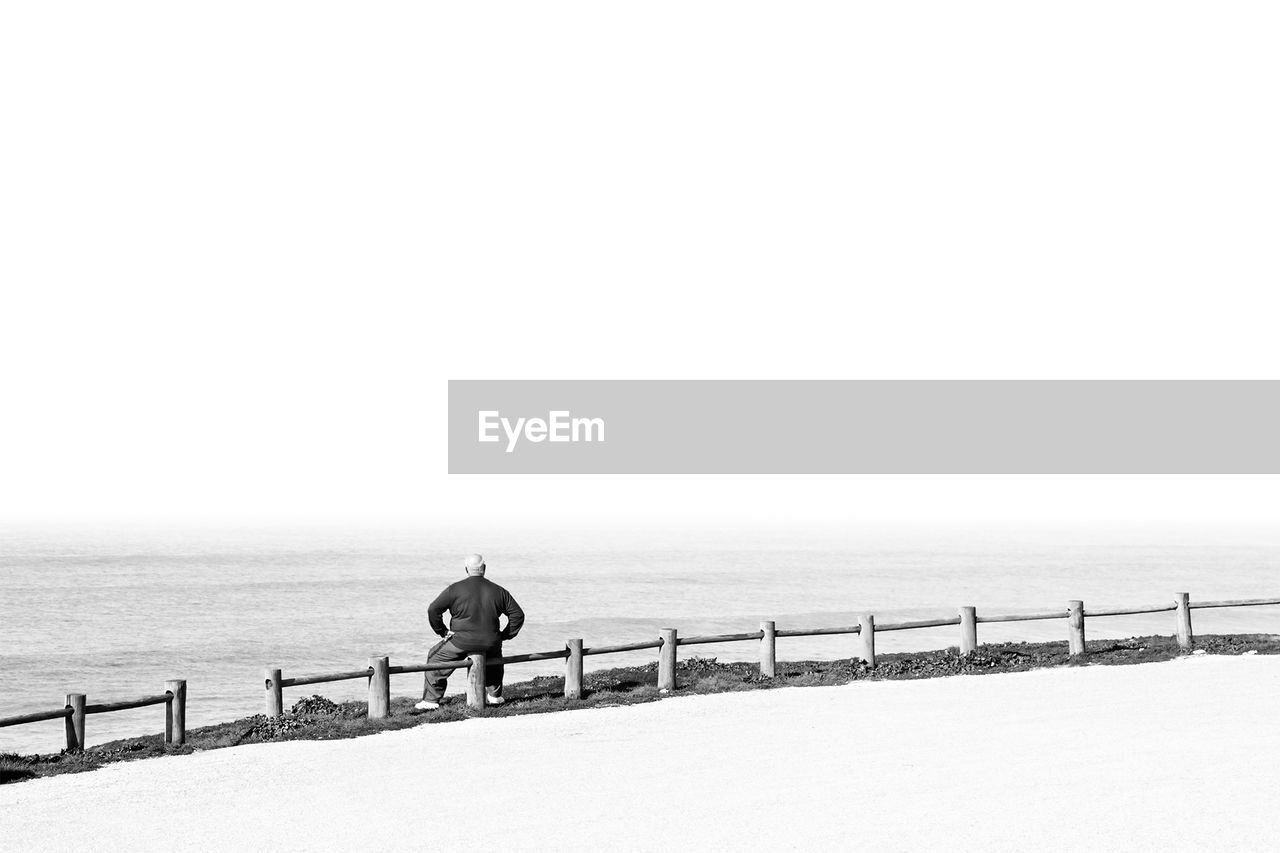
[(435, 613), (515, 618)]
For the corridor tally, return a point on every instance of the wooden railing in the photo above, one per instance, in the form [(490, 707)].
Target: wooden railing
[(174, 698), (379, 670)]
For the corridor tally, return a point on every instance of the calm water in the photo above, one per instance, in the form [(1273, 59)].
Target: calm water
[(114, 613)]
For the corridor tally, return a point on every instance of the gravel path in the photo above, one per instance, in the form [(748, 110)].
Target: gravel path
[(1183, 755)]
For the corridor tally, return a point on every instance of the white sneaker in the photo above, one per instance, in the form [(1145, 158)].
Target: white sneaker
[(424, 705), (491, 699)]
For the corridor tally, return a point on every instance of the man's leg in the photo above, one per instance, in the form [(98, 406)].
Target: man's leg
[(493, 673), (435, 680)]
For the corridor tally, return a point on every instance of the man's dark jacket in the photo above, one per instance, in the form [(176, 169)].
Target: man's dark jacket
[(474, 605)]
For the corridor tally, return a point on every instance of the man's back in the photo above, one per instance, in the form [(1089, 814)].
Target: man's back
[(475, 605)]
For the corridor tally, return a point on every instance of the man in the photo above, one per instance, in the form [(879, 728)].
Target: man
[(474, 605)]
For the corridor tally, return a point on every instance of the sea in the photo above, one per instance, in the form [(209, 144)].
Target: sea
[(113, 611)]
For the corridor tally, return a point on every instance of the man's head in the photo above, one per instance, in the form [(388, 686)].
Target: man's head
[(474, 566)]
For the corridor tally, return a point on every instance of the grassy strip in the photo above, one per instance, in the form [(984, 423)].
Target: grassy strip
[(316, 718)]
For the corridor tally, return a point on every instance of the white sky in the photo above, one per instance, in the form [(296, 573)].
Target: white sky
[(243, 247)]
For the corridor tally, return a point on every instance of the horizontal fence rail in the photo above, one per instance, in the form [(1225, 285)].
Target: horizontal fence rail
[(428, 667), (532, 656), (37, 717), (174, 698), (814, 632), (323, 679), (923, 623), (1244, 602), (625, 647), (719, 638), (107, 707), (1025, 617), (1132, 611), (1075, 614)]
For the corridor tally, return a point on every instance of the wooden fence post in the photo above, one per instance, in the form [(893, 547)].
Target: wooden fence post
[(968, 631), (667, 661), (175, 720), (75, 723), (867, 638), (768, 650), (1075, 627), (1185, 637), (573, 670), (380, 688), (275, 693), (475, 682)]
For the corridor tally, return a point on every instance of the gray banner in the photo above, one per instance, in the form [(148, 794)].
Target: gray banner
[(863, 427)]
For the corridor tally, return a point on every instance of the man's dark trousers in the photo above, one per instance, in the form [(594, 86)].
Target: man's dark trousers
[(446, 651)]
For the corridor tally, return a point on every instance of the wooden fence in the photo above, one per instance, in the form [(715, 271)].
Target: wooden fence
[(380, 670), (73, 713)]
